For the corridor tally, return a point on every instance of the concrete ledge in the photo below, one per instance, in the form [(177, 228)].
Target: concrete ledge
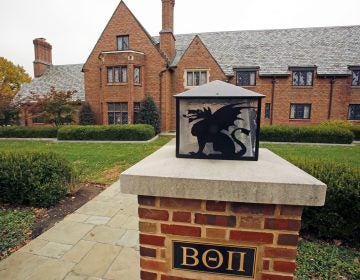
[(271, 180)]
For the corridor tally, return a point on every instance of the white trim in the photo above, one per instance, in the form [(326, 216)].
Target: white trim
[(207, 70), (126, 51)]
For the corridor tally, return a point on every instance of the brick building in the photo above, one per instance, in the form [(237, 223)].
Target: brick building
[(308, 75)]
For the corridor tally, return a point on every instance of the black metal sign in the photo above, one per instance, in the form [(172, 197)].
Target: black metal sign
[(213, 258)]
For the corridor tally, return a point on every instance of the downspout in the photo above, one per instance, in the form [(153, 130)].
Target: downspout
[(272, 100), (161, 92), (332, 82), (101, 96)]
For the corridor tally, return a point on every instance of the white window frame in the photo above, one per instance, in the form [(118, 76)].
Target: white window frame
[(197, 71), (298, 72), (122, 42), (306, 111), (117, 74)]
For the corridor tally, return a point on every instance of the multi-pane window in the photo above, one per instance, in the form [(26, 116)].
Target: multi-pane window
[(355, 78), (267, 110), (245, 78), (303, 78), (137, 73), (117, 113), (300, 111), (136, 111), (123, 43), (196, 78), (354, 112), (117, 74)]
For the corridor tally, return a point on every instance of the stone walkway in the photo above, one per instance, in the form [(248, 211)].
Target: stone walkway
[(98, 241)]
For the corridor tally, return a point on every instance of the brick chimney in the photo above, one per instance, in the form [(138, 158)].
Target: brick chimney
[(43, 56), (167, 39)]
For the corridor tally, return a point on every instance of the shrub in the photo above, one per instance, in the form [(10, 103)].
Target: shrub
[(129, 132), (306, 134), (149, 114), (34, 178), (86, 115), (356, 130), (28, 132), (339, 218)]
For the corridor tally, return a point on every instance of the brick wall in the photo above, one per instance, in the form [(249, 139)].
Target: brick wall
[(98, 92), (273, 229), (317, 95)]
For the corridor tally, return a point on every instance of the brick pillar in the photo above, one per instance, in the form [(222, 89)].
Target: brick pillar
[(273, 229), (217, 210)]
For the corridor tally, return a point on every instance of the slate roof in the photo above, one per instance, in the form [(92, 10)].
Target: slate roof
[(331, 49), (62, 77)]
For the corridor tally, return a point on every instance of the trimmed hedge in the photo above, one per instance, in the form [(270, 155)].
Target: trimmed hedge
[(128, 132), (356, 130), (339, 218), (306, 134), (28, 132), (34, 178)]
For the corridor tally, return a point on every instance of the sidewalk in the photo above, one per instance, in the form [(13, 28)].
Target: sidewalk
[(98, 241)]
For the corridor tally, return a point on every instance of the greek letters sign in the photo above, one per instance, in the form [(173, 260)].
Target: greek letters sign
[(213, 258)]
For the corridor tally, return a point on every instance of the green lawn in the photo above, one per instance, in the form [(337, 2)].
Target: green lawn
[(345, 154), (97, 163)]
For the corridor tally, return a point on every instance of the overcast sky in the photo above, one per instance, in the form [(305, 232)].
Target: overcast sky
[(73, 26)]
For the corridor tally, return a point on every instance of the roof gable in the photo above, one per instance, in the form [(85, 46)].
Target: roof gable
[(121, 11), (196, 41)]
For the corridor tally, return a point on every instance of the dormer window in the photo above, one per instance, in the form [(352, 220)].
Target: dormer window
[(245, 78), (355, 78), (302, 77), (123, 42)]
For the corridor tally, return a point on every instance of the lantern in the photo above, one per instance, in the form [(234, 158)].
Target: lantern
[(218, 120)]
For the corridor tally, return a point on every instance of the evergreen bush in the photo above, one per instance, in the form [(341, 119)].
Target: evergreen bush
[(356, 130), (34, 178), (86, 115), (339, 217), (149, 114)]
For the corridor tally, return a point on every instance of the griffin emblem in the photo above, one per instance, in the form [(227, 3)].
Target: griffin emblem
[(219, 128)]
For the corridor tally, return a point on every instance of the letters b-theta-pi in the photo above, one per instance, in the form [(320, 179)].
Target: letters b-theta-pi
[(190, 257)]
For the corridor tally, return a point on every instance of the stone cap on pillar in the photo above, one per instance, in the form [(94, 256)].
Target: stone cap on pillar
[(270, 180)]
